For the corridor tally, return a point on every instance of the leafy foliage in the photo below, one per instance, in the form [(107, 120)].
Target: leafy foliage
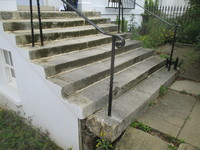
[(103, 144), (141, 126), (15, 134)]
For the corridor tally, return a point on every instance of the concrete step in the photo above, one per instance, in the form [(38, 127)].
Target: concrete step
[(129, 106), (90, 99), (42, 8), (134, 139), (66, 45), (65, 62), (23, 38), (14, 15), (82, 77), (14, 25)]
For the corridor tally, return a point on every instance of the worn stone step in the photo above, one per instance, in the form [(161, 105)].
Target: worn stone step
[(61, 33), (60, 63), (13, 25), (129, 106), (134, 139), (67, 45), (90, 99), (42, 8), (13, 15), (82, 77)]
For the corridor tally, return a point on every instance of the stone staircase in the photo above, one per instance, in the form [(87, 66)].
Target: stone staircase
[(76, 58)]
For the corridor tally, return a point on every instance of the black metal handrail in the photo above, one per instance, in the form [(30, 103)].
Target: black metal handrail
[(175, 26), (40, 23), (170, 60), (115, 43)]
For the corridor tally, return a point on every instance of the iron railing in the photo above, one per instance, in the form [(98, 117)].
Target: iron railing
[(115, 3), (115, 43), (32, 25), (170, 61)]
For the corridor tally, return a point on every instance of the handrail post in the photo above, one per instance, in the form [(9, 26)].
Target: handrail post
[(32, 28), (119, 14), (122, 16), (40, 23), (172, 51), (112, 71)]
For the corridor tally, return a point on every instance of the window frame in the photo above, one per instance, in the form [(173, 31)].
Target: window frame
[(8, 68)]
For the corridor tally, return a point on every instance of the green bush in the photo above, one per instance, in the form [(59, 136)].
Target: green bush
[(189, 33), (153, 33)]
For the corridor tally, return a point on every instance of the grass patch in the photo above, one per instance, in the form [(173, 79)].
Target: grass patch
[(171, 147), (15, 134), (162, 91), (141, 126), (164, 56)]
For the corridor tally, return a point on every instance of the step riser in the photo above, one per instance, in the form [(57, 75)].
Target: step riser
[(117, 91), (27, 39), (66, 91), (47, 52), (14, 26), (8, 15), (53, 70), (95, 125)]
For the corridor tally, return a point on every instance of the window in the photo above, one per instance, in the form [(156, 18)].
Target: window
[(9, 69)]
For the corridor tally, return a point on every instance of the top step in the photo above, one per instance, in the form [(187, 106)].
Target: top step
[(14, 15), (42, 8)]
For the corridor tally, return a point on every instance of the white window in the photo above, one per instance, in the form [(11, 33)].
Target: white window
[(9, 68)]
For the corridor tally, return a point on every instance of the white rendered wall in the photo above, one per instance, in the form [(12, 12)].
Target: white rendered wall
[(8, 5), (174, 2), (110, 12), (37, 100)]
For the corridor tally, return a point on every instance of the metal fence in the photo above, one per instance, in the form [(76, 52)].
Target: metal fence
[(127, 4), (173, 14)]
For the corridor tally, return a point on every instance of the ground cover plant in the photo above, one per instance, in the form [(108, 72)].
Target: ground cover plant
[(17, 135)]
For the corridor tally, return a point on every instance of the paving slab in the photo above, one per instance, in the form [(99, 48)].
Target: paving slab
[(186, 85), (134, 139), (191, 130), (169, 115), (187, 147)]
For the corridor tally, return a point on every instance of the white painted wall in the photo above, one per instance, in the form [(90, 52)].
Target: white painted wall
[(8, 5), (26, 2), (110, 12), (174, 2), (37, 99)]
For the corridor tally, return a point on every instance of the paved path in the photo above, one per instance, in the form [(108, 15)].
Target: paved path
[(176, 114)]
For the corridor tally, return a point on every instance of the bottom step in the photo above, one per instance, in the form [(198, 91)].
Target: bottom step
[(129, 106)]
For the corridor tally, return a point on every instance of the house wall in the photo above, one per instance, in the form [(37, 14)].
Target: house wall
[(8, 5), (37, 99), (174, 2), (93, 5)]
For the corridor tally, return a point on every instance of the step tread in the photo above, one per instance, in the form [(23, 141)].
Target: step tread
[(129, 106), (51, 20), (92, 98), (50, 62), (66, 79), (60, 30), (62, 42)]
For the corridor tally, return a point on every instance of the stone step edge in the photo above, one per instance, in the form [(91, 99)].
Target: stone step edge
[(24, 39), (82, 83), (113, 126), (84, 104), (103, 55), (64, 46)]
